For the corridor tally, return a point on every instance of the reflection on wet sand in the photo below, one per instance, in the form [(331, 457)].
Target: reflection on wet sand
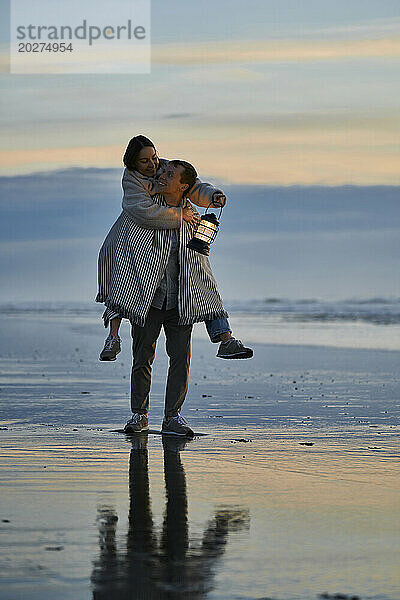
[(169, 567)]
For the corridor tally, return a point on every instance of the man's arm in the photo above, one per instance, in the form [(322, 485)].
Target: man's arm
[(146, 213), (203, 194)]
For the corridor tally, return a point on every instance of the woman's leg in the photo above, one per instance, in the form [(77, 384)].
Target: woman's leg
[(112, 345), (115, 325), (219, 331)]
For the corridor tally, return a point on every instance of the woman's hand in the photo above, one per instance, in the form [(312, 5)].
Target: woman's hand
[(190, 215)]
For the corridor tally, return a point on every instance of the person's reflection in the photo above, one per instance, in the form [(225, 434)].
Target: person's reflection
[(107, 568), (174, 569), (141, 565)]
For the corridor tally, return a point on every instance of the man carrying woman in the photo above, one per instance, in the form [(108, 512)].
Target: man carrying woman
[(148, 275), (142, 169)]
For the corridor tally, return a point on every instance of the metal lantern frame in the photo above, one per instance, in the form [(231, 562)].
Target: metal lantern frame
[(206, 232)]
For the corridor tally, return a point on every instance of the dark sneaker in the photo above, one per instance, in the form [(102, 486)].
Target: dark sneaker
[(177, 426), (137, 423), (234, 348), (112, 347)]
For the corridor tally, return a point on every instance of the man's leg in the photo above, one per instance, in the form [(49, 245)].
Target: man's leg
[(178, 349), (144, 347), (220, 331)]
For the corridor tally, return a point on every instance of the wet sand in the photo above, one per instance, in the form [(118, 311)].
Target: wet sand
[(292, 495)]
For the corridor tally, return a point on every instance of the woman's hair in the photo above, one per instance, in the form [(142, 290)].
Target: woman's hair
[(133, 148)]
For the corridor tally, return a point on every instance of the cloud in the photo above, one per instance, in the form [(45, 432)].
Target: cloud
[(61, 269), (22, 161), (282, 158), (219, 74), (307, 241), (371, 28), (292, 152), (183, 115), (389, 235), (321, 148), (255, 52), (47, 247)]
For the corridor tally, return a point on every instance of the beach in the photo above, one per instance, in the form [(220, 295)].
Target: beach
[(280, 119), (292, 494)]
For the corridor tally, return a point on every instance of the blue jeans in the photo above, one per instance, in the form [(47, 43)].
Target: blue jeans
[(216, 327)]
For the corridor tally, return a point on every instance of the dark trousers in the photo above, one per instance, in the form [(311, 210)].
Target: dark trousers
[(144, 348)]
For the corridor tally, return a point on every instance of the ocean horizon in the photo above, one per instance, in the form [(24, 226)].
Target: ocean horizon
[(369, 323)]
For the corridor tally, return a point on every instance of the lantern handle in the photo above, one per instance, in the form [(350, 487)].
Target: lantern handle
[(220, 209)]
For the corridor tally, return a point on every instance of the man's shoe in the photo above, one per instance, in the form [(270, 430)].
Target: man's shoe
[(177, 426), (137, 423), (112, 347), (234, 348)]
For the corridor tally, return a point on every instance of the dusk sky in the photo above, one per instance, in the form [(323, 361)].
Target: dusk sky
[(273, 93)]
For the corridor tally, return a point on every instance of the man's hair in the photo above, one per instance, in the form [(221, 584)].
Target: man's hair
[(134, 147), (188, 175)]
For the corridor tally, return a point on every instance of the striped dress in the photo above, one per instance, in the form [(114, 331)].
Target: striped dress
[(132, 263)]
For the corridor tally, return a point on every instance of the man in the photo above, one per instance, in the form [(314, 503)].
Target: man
[(173, 287)]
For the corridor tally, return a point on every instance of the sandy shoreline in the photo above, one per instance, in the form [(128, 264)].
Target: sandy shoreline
[(299, 469)]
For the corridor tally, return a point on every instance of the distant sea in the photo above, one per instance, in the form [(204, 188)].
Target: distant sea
[(353, 323), (380, 311)]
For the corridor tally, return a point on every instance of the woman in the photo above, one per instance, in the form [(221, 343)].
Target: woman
[(142, 167)]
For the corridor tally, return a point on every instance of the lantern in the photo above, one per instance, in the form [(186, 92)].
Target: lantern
[(205, 233)]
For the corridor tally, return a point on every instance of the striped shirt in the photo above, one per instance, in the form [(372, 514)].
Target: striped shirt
[(132, 263), (167, 292)]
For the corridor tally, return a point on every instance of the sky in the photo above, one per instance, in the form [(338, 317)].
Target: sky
[(271, 93), (285, 92)]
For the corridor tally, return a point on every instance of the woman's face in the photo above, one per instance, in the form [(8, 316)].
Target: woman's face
[(147, 161)]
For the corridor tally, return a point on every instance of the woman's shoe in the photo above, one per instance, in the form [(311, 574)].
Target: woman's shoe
[(112, 347), (234, 348)]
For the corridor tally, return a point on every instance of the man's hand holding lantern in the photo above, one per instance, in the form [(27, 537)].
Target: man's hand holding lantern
[(218, 199)]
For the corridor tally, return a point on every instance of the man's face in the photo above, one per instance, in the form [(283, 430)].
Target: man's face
[(169, 182)]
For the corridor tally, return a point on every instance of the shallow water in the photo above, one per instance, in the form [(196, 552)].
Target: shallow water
[(293, 493), (94, 514)]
